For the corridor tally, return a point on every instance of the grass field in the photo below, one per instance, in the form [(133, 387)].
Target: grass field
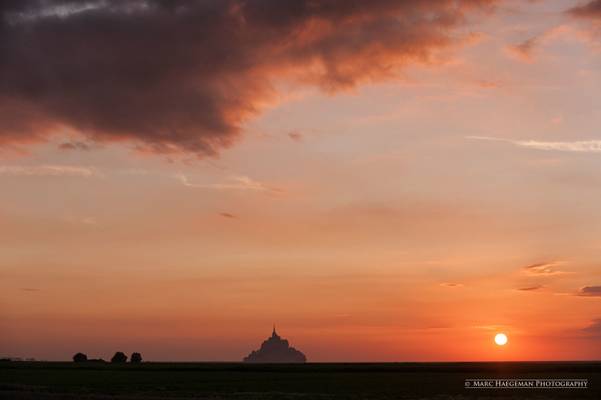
[(53, 380)]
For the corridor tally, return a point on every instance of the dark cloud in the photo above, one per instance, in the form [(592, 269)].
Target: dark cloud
[(183, 76), (590, 10), (594, 328), (594, 291)]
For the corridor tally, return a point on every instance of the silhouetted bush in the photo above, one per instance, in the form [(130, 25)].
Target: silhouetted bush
[(80, 357), (119, 357), (135, 358)]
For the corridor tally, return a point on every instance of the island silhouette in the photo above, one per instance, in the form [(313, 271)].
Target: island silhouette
[(275, 350)]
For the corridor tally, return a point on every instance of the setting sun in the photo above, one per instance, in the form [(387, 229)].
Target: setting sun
[(501, 339)]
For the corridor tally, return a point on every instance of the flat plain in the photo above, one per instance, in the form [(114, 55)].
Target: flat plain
[(221, 381)]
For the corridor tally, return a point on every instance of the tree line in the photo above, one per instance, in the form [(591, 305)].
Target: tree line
[(118, 358)]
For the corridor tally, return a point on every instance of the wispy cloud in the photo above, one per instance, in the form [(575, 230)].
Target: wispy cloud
[(296, 136), (594, 329), (579, 146), (531, 288), (592, 291), (75, 145), (491, 327), (49, 170), (451, 284), (232, 183), (523, 51), (227, 215), (544, 268)]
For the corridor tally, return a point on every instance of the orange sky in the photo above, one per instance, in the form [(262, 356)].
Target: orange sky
[(398, 190)]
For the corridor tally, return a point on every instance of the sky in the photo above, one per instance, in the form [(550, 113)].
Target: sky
[(383, 180)]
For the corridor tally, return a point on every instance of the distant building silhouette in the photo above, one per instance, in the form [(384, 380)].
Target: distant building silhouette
[(275, 350)]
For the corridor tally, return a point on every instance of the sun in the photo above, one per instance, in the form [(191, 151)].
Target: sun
[(501, 339)]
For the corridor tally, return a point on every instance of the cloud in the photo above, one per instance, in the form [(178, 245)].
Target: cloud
[(526, 50), (594, 328), (49, 170), (523, 51), (544, 268), (184, 76), (296, 136), (593, 291), (489, 84), (590, 14), (451, 284), (579, 146), (582, 146), (228, 215), (74, 145), (232, 183), (590, 10), (531, 288)]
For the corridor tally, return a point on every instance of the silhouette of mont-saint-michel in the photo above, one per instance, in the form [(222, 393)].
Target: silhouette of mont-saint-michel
[(275, 350)]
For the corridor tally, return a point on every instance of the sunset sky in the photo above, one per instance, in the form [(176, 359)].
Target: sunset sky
[(383, 180)]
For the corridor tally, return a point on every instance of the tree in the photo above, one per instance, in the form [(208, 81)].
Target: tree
[(119, 357), (80, 357), (135, 358)]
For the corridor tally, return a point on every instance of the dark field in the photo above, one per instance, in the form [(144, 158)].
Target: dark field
[(53, 381)]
